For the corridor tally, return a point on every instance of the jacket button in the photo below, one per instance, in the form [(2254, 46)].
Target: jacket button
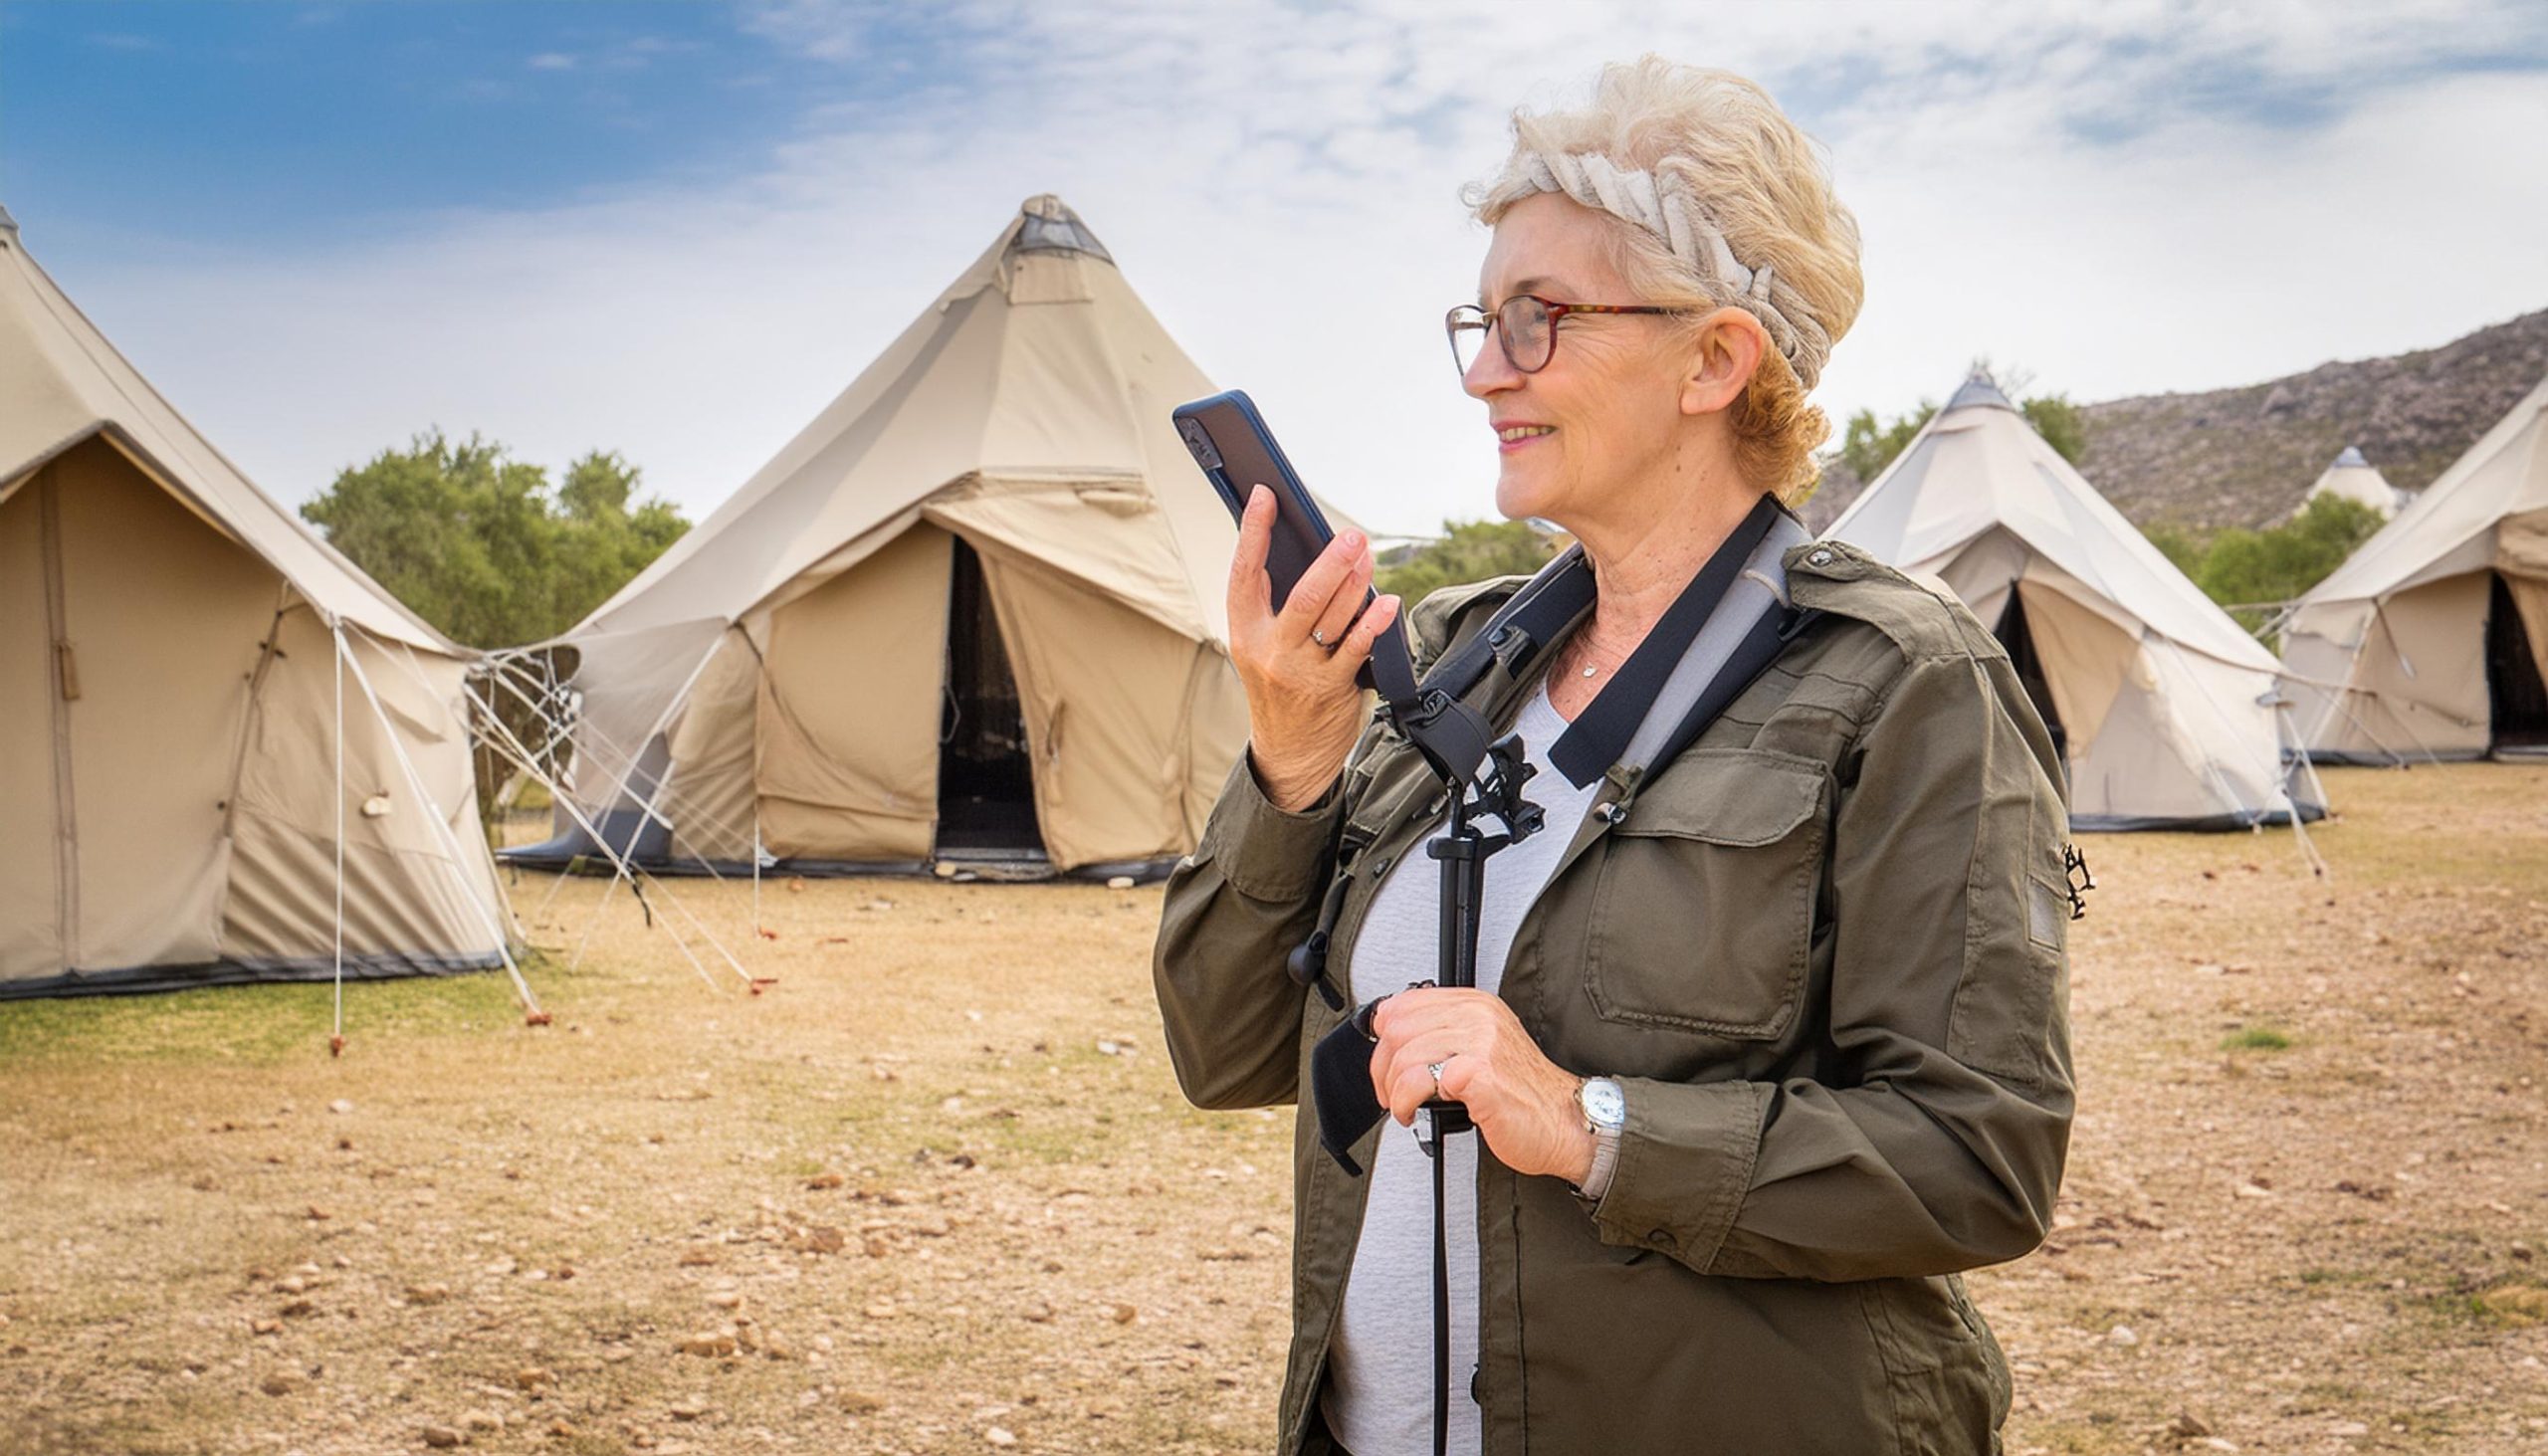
[(1612, 813)]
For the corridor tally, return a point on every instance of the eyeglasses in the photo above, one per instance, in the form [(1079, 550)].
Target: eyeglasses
[(1529, 332)]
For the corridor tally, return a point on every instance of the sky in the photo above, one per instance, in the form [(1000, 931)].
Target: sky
[(676, 230)]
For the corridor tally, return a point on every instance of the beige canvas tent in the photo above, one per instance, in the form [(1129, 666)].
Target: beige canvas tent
[(172, 710), (973, 611), (2432, 639), (2166, 713), (2349, 477)]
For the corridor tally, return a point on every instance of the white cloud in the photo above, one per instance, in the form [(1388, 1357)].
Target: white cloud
[(2122, 198)]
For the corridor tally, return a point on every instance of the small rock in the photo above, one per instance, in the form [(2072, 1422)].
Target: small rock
[(2350, 1428), (697, 1258), (279, 1383), (2121, 1335), (1123, 1314), (725, 1298), (1038, 1313), (531, 1378), (318, 1214), (999, 1436), (297, 1309), (1120, 882), (340, 1107), (690, 1409), (709, 1345), (563, 1430), (880, 1309), (483, 1420), (859, 1403), (265, 1326), (2188, 1425), (825, 1181), (428, 1294), (441, 1437)]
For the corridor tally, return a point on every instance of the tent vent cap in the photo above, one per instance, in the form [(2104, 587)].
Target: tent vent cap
[(1048, 226), (1979, 390)]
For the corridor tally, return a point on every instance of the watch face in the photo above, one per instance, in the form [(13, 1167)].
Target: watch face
[(1604, 1103)]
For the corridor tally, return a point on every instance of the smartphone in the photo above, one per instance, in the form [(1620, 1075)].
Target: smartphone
[(1229, 441)]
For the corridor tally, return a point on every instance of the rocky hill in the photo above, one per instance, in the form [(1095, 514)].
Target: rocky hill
[(2246, 456)]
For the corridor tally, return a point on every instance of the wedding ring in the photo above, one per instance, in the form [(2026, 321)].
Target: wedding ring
[(1436, 1069), (1318, 636)]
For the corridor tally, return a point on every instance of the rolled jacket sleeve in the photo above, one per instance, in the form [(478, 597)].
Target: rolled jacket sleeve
[(1234, 912), (1943, 1147)]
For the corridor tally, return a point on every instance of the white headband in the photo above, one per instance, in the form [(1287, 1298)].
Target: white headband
[(1671, 213)]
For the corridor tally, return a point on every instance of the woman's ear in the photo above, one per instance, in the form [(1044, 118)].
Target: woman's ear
[(1728, 352)]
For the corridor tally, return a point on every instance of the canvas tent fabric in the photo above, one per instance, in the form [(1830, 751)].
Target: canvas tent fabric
[(778, 683), (2349, 477), (169, 708), (2432, 639), (2164, 708)]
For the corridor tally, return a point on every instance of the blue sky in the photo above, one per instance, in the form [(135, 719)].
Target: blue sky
[(328, 123), (678, 229)]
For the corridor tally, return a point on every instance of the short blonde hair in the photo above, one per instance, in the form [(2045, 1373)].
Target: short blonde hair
[(1765, 186)]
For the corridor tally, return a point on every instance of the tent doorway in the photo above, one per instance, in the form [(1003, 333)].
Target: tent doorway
[(2517, 699), (985, 778), (2019, 645)]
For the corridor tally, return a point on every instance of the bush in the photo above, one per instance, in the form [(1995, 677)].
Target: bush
[(2237, 567), (1469, 550)]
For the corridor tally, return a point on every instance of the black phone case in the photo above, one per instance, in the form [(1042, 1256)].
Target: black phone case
[(1237, 453)]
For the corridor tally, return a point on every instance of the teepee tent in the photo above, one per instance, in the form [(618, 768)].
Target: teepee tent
[(972, 613), (2352, 478), (2432, 639), (226, 754), (2165, 709)]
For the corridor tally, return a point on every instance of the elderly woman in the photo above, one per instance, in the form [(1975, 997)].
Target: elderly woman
[(1768, 1040)]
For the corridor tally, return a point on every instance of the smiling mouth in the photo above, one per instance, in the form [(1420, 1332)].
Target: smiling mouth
[(1512, 433)]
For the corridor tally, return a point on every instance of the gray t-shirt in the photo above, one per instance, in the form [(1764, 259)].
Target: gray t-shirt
[(1379, 1392)]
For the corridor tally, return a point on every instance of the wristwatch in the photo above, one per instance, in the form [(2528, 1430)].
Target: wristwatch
[(1604, 1105)]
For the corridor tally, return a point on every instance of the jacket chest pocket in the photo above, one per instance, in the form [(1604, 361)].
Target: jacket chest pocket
[(1702, 915)]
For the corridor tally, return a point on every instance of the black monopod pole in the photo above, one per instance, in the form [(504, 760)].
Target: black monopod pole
[(1463, 849)]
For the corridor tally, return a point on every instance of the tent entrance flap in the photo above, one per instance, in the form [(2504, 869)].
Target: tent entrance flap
[(986, 776), (2517, 698), (2013, 637)]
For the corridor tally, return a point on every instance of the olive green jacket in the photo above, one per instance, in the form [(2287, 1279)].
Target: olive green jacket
[(1821, 950)]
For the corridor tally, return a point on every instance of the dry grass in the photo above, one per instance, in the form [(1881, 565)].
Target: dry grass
[(2333, 1243)]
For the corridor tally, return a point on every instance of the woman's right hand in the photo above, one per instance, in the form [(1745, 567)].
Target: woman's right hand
[(1304, 709)]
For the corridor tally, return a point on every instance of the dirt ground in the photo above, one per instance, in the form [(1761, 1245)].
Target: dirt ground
[(935, 1189)]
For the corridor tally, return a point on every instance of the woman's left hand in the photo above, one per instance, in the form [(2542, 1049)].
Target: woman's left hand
[(1524, 1104)]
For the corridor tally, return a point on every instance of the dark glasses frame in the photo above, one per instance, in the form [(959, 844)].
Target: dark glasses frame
[(1465, 317)]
